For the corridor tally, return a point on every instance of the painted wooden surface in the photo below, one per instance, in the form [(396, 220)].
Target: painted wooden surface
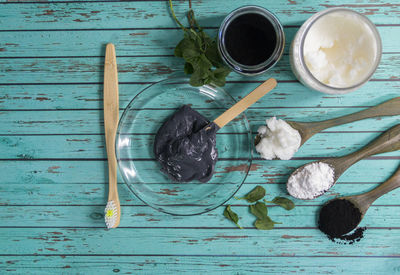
[(53, 185)]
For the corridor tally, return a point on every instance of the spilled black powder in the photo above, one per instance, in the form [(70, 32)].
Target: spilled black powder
[(185, 147), (338, 218)]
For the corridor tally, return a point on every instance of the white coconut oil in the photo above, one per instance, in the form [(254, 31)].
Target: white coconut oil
[(336, 51)]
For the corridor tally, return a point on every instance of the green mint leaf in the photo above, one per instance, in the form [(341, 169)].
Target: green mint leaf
[(232, 216), (265, 224), (196, 80), (254, 195), (188, 69), (191, 55), (259, 210), (204, 63), (283, 202), (213, 54), (184, 44), (219, 76)]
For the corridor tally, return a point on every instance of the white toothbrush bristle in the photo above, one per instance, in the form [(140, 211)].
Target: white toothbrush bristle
[(110, 214)]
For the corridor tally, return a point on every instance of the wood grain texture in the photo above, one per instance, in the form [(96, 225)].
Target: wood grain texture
[(89, 241), (155, 14), (143, 69), (134, 216), (53, 189), (91, 121), (130, 42), (195, 264), (91, 147)]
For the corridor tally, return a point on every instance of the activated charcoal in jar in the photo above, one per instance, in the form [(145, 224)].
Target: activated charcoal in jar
[(251, 40)]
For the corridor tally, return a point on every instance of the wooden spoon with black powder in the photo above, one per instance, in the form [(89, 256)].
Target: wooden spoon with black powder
[(340, 216)]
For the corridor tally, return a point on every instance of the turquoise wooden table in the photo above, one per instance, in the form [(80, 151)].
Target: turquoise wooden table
[(53, 184)]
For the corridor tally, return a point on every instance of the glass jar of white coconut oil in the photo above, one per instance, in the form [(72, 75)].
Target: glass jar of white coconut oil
[(336, 51)]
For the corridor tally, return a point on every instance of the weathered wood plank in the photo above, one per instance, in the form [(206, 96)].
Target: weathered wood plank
[(85, 96), (138, 69), (276, 171), (143, 216), (128, 42), (309, 242), (92, 146), (91, 122), (196, 265), (84, 183), (155, 14)]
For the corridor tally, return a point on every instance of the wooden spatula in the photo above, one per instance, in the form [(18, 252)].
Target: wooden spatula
[(245, 102)]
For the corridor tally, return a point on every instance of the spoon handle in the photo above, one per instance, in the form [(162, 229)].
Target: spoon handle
[(388, 108), (365, 200), (387, 142)]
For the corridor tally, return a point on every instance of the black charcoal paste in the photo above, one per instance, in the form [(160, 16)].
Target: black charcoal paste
[(185, 146), (338, 218)]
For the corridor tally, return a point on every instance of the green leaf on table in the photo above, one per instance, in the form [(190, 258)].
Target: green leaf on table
[(265, 223), (283, 202), (188, 69), (186, 44), (259, 210), (213, 54), (218, 76), (200, 53), (232, 216), (254, 195)]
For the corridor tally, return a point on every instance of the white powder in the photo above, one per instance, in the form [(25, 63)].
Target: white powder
[(340, 49), (313, 180), (278, 140)]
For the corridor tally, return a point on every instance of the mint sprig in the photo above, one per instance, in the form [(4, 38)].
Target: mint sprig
[(200, 52)]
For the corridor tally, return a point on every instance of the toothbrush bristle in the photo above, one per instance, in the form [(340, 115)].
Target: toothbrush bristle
[(110, 214)]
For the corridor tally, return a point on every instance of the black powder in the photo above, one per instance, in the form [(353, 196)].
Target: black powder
[(339, 217), (250, 39)]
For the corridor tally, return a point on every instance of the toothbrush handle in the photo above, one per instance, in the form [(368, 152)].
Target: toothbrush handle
[(111, 116)]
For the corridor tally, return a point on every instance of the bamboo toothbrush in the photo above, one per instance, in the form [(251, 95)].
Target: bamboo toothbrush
[(112, 213)]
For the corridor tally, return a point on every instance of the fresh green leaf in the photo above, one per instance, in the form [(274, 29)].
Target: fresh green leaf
[(259, 210), (213, 54), (232, 216), (283, 202), (265, 223), (254, 195), (196, 80), (201, 54), (185, 44), (219, 75), (188, 69)]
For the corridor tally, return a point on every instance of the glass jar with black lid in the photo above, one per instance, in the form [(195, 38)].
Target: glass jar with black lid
[(251, 40)]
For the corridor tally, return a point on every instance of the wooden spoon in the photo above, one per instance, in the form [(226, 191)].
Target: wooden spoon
[(387, 142), (364, 201), (308, 129)]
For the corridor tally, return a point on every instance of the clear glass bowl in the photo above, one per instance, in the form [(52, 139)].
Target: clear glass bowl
[(134, 148)]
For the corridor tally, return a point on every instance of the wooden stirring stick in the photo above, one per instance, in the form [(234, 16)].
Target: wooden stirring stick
[(245, 102)]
